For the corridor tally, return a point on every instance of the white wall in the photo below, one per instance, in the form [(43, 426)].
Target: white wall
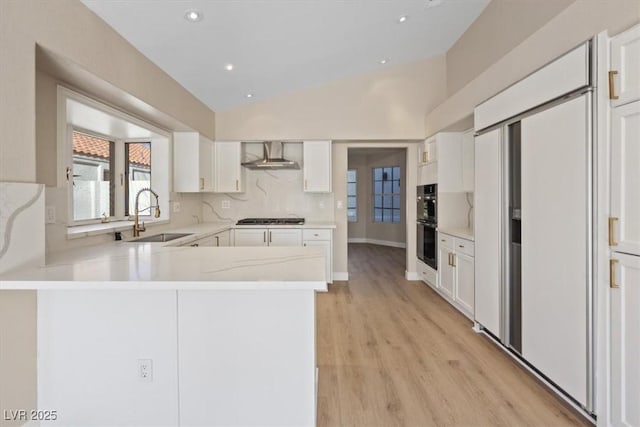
[(365, 229)]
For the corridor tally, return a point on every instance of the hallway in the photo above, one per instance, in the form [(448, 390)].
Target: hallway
[(392, 352)]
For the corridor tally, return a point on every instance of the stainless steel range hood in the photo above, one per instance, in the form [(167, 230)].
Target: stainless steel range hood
[(273, 158)]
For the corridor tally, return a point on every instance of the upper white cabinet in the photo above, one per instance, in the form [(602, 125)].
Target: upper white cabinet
[(317, 166), (448, 162), (624, 76), (624, 226), (468, 156), (487, 212), (192, 163), (228, 169)]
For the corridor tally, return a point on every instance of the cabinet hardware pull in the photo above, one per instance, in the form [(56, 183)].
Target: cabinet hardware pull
[(270, 237), (264, 237), (612, 240), (121, 179), (612, 87), (305, 184), (217, 241), (424, 157), (612, 274), (202, 183), (461, 246), (449, 261), (195, 245), (68, 173), (237, 185), (453, 260)]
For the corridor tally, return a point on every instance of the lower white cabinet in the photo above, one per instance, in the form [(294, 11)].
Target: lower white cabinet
[(220, 239), (456, 271), (625, 340), (251, 237), (268, 237), (323, 238)]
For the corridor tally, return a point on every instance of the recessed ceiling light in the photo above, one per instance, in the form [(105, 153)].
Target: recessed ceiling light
[(383, 61), (402, 19), (193, 15), (249, 95), (228, 67), (433, 3)]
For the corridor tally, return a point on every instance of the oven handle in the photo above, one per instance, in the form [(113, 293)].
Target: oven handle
[(427, 224)]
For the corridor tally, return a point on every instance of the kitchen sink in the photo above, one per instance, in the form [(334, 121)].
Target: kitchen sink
[(162, 237)]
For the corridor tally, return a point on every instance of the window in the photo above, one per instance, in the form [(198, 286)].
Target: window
[(352, 200), (105, 156), (93, 169), (386, 194), (138, 176)]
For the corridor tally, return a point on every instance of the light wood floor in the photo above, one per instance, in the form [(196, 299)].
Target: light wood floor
[(393, 353)]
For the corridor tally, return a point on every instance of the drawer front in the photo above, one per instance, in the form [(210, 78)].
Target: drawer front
[(316, 234), (464, 246), (446, 240)]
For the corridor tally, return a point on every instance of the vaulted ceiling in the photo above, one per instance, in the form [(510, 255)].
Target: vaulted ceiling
[(282, 46)]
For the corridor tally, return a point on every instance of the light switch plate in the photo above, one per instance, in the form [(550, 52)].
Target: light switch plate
[(226, 204)]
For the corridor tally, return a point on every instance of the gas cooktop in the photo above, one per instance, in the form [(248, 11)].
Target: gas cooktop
[(271, 221)]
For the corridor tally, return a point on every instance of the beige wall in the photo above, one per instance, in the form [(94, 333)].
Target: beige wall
[(364, 227), (578, 22), (71, 30), (501, 26), (387, 104)]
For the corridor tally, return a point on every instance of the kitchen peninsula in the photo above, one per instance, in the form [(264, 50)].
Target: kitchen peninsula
[(146, 333)]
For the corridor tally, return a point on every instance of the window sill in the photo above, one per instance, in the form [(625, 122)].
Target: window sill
[(80, 231)]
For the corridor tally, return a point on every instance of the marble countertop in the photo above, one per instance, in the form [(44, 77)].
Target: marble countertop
[(463, 233), (127, 265)]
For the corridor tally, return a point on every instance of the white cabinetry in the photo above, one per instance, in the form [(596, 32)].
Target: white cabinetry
[(488, 164), (285, 237), (624, 76), (216, 240), (445, 266), (625, 179), (228, 168), (268, 237), (468, 156), (554, 291), (456, 269), (317, 166), (193, 163), (250, 237), (323, 238), (625, 345), (446, 159)]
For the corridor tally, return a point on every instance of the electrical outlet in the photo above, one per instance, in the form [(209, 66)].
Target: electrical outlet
[(226, 204), (50, 217), (176, 207), (321, 205), (145, 370)]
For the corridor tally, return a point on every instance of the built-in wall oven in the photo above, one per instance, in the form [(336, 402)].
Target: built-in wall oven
[(427, 241)]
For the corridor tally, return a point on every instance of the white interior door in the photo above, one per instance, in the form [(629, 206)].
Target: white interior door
[(625, 341), (487, 233), (554, 244), (625, 178)]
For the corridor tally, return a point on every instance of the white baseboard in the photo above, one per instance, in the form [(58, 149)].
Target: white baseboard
[(341, 276), (412, 275), (377, 242)]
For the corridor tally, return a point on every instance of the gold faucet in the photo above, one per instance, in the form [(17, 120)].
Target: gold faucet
[(136, 226)]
